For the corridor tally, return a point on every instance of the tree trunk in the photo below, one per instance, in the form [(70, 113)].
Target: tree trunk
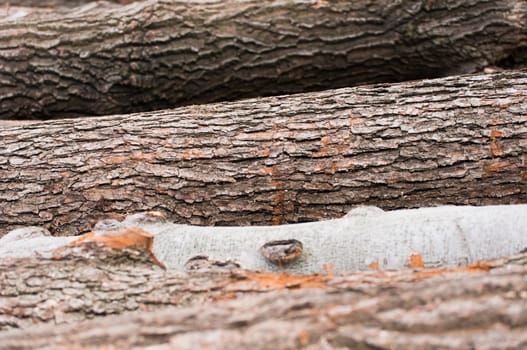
[(154, 54), (457, 140), (468, 307)]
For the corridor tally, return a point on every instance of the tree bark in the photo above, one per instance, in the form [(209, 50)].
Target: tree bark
[(53, 4), (155, 54), (457, 140), (467, 307)]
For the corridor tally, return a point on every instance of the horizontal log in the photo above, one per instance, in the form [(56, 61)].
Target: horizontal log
[(366, 238), (481, 306), (154, 54), (456, 140)]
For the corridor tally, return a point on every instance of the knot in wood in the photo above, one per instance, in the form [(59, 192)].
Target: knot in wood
[(282, 252)]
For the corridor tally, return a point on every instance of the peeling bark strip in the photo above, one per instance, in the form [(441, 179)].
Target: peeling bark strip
[(457, 140), (482, 306), (155, 54)]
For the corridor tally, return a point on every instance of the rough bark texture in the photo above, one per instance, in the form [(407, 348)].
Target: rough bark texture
[(76, 284), (155, 54), (458, 140), (53, 4), (482, 306)]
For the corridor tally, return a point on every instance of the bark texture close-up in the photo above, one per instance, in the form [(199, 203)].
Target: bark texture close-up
[(478, 306), (107, 58), (129, 127), (456, 140)]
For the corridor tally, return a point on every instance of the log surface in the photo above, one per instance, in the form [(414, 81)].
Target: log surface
[(456, 140), (55, 4), (441, 236), (367, 236), (482, 306), (101, 59)]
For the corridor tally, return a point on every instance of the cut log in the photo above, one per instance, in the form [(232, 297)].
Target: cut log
[(456, 140), (162, 53), (469, 307), (427, 237)]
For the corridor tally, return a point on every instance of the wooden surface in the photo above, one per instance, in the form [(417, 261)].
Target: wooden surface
[(104, 58), (446, 236), (456, 140), (479, 306)]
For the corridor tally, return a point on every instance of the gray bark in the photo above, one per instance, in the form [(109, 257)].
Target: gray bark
[(160, 53), (477, 307), (74, 285), (457, 140)]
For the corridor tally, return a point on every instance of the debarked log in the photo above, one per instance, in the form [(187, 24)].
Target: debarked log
[(456, 140), (103, 58), (366, 238)]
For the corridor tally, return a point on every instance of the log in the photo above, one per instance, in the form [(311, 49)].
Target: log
[(427, 237), (73, 283), (366, 237), (470, 307), (163, 53), (276, 160)]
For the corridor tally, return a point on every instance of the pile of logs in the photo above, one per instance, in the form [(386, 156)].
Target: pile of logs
[(243, 113)]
